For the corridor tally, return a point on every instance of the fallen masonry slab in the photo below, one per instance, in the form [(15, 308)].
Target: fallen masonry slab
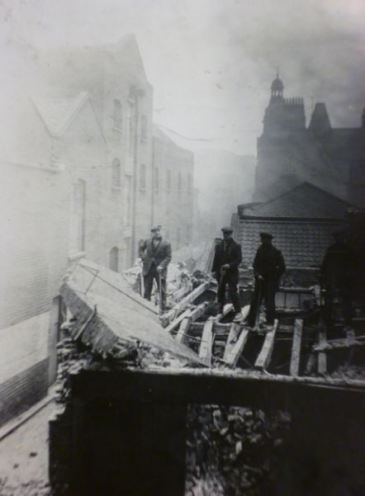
[(120, 316)]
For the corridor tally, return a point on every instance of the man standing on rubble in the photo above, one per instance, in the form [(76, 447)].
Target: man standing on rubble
[(268, 267), (337, 276), (156, 256), (227, 259)]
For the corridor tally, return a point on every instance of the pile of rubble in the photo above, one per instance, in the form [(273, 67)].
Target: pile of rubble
[(233, 451)]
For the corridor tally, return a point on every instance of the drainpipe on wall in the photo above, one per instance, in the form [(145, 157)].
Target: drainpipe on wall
[(135, 93), (153, 185)]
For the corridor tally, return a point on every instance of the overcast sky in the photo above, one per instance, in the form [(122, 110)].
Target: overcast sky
[(211, 62)]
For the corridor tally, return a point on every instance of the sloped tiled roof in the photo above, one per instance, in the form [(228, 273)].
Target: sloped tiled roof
[(305, 201), (58, 113), (302, 243)]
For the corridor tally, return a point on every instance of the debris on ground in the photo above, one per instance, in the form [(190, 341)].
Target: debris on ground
[(233, 451)]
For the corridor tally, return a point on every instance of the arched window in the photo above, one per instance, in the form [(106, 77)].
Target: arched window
[(142, 177), (114, 259), (116, 173), (117, 114)]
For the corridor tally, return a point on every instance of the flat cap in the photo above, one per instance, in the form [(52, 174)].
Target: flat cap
[(155, 228), (266, 235), (227, 229)]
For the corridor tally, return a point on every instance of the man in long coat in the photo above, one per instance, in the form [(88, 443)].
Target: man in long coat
[(268, 267), (227, 259), (156, 256), (337, 273)]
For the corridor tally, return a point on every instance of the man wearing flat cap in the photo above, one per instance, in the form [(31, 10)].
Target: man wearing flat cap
[(227, 259), (268, 267), (156, 256)]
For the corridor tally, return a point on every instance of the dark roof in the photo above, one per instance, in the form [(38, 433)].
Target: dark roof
[(305, 201), (320, 121), (302, 243)]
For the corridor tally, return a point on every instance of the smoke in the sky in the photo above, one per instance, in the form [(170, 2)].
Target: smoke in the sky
[(211, 62)]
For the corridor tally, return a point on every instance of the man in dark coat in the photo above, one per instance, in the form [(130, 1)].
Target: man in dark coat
[(227, 259), (268, 267), (156, 256), (337, 273)]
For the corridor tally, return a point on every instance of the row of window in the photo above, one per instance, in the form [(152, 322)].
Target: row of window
[(168, 180), (118, 121), (117, 178)]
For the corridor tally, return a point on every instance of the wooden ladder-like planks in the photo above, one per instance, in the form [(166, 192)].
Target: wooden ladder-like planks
[(296, 347), (206, 344), (263, 359)]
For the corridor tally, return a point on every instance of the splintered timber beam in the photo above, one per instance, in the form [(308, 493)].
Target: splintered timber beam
[(264, 357), (235, 345), (296, 347), (183, 329), (185, 302), (322, 357), (191, 313), (206, 344)]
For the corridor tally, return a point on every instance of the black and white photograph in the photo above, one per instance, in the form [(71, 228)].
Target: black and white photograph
[(182, 251)]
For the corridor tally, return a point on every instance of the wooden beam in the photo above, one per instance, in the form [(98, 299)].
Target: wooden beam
[(206, 344), (264, 357), (234, 332), (232, 356), (338, 344), (175, 323), (322, 357), (185, 302), (296, 347), (183, 330), (192, 313)]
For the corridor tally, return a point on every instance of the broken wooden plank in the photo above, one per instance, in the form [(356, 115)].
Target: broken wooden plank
[(185, 302), (175, 323), (234, 332), (338, 344), (296, 347), (183, 330), (206, 344), (193, 313), (232, 356), (264, 357), (322, 357)]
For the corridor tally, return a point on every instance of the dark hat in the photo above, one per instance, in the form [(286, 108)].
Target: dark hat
[(227, 229), (265, 235)]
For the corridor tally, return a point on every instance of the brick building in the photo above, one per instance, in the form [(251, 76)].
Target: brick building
[(301, 220), (113, 76), (172, 191), (289, 152), (33, 258)]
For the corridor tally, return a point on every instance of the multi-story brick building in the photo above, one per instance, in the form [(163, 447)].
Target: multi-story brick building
[(114, 78), (172, 190), (289, 152)]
